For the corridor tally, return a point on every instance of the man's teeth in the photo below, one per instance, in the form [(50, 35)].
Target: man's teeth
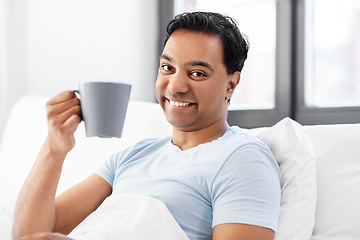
[(179, 104)]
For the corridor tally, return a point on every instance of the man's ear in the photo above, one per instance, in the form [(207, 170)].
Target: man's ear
[(233, 81)]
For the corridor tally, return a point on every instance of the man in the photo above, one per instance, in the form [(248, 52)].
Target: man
[(226, 183)]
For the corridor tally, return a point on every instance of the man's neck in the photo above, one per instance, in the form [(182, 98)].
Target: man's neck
[(189, 139)]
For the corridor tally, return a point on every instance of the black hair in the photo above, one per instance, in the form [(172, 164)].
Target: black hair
[(235, 44)]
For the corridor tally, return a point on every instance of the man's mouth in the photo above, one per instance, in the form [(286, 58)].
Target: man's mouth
[(179, 104)]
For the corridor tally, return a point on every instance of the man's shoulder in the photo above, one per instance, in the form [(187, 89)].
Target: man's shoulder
[(242, 138)]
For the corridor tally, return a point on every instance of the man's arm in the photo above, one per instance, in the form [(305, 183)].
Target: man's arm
[(36, 209), (237, 231), (75, 204), (72, 207)]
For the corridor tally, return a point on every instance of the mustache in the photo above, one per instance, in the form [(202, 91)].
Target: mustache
[(185, 97)]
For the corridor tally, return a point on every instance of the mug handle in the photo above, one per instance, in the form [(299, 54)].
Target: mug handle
[(78, 95)]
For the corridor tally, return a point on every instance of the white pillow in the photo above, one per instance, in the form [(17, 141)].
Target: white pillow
[(337, 154), (6, 217), (293, 151)]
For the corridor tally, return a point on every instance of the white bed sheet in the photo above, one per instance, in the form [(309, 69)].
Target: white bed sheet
[(131, 217)]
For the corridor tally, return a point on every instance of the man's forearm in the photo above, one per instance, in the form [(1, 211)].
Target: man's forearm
[(35, 208)]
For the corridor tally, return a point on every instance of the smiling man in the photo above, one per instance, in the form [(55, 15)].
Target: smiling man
[(193, 87), (217, 182)]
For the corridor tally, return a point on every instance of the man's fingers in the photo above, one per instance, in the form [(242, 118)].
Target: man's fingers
[(62, 97), (58, 112), (65, 115), (61, 102), (72, 123)]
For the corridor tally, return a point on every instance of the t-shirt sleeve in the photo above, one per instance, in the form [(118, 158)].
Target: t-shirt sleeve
[(247, 189), (108, 169)]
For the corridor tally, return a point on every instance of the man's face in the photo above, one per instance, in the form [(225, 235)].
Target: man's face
[(193, 85)]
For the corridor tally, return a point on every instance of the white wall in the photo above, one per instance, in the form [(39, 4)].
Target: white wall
[(3, 64), (54, 45), (12, 55), (89, 40)]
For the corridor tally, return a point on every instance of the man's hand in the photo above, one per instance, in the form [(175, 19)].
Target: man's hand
[(63, 115), (46, 236)]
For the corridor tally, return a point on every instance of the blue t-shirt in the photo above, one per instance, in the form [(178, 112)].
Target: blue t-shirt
[(234, 179)]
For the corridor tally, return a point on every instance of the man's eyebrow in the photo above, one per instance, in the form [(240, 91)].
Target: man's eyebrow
[(166, 57), (192, 63), (201, 63)]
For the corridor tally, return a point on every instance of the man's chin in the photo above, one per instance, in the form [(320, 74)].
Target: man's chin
[(182, 126)]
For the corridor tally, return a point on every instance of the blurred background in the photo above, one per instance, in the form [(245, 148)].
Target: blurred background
[(304, 59)]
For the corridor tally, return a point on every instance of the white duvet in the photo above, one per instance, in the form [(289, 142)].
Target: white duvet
[(129, 216)]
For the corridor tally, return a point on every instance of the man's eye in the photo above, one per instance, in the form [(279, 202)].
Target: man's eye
[(167, 68), (198, 74)]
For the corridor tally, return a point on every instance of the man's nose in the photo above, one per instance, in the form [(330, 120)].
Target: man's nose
[(178, 83)]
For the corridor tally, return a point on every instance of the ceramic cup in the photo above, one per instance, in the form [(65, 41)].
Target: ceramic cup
[(103, 106)]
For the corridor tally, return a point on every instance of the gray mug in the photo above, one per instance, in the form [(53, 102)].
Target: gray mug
[(103, 106)]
